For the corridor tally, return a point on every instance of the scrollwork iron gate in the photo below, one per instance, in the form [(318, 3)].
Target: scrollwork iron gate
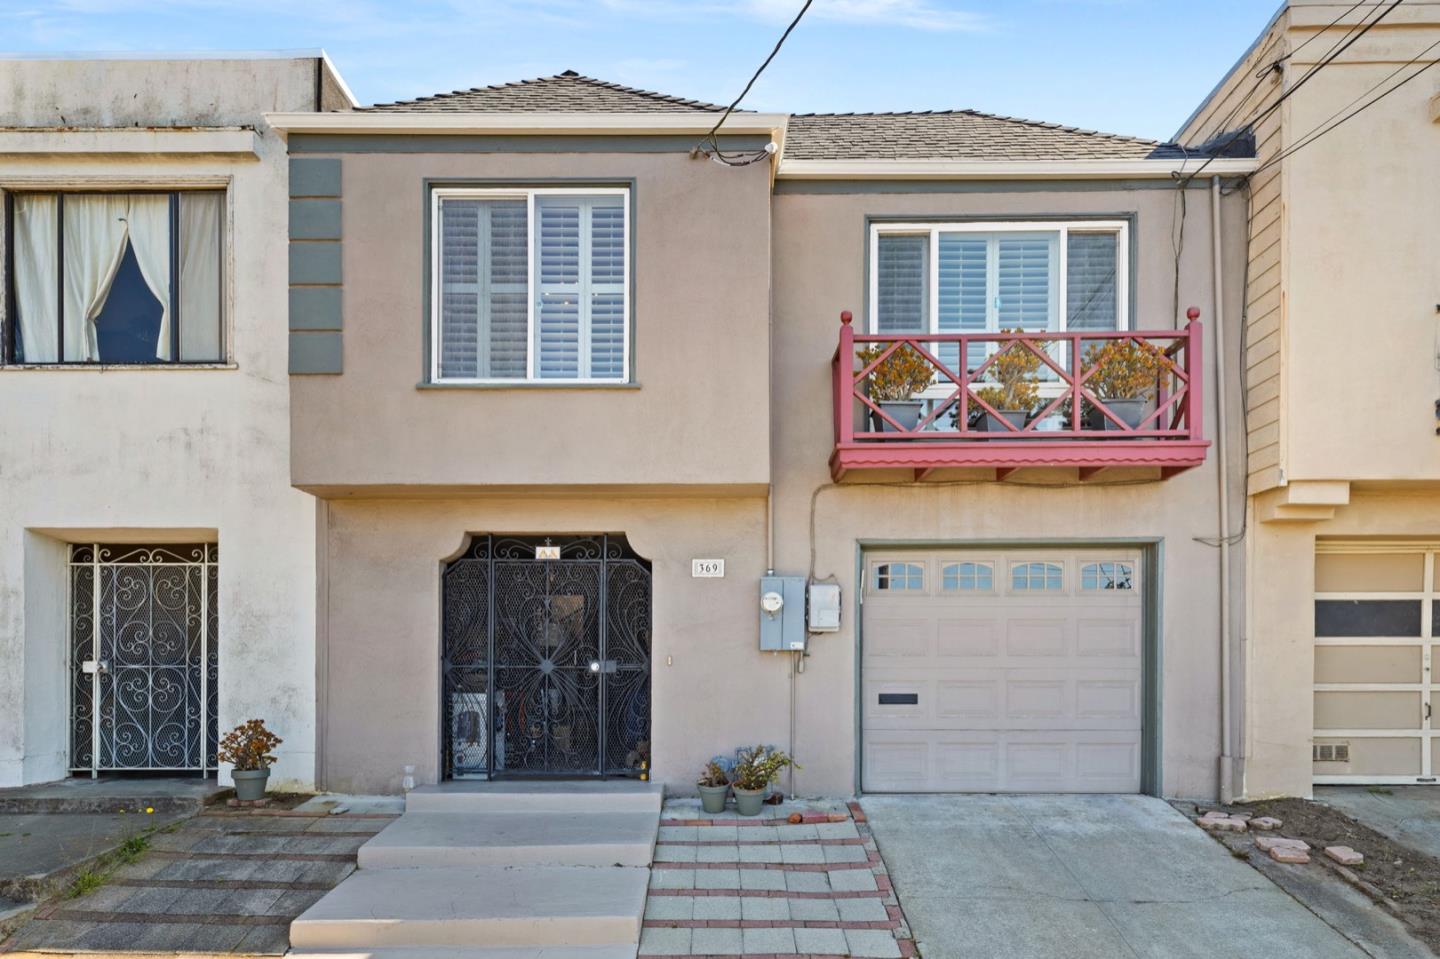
[(144, 657), (546, 658)]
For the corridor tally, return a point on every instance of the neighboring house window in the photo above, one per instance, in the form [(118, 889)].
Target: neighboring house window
[(1098, 576), (892, 577), (115, 277), (531, 285), (1036, 576), (986, 277), (968, 577)]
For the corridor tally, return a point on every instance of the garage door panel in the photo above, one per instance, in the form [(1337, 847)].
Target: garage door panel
[(1368, 710), (1379, 757), (1369, 664), (1016, 689)]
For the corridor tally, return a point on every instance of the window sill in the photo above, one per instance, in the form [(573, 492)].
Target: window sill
[(526, 385), (113, 367)]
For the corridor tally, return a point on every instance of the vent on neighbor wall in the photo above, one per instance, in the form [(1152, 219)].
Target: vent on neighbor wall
[(1331, 752)]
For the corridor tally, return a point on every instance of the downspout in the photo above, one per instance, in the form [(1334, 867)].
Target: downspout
[(1227, 766)]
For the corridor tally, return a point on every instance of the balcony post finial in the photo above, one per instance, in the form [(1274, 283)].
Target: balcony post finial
[(1192, 314), (846, 316)]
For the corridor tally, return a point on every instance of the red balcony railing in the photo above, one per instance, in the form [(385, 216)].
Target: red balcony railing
[(1091, 400)]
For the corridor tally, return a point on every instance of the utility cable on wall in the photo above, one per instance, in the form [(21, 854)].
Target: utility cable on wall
[(710, 144)]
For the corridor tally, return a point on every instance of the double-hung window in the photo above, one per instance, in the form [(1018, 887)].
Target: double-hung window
[(978, 277), (530, 285), (114, 277)]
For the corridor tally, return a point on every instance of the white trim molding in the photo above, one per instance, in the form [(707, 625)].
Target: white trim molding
[(1007, 169), (553, 124), (81, 142)]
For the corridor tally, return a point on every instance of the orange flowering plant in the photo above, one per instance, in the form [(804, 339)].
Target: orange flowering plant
[(249, 746)]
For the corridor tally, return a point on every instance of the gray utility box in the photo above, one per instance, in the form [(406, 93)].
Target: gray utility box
[(782, 614)]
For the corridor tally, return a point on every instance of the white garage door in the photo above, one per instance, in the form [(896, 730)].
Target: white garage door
[(1008, 671)]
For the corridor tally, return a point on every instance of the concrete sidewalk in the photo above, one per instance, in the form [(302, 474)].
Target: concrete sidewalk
[(1076, 877)]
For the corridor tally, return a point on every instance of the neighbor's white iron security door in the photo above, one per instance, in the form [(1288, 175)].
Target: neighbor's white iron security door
[(143, 657)]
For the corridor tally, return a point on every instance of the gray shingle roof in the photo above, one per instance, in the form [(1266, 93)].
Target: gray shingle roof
[(954, 135), (567, 92)]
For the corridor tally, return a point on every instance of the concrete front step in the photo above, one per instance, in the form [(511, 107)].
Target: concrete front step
[(474, 952), (495, 905), (514, 839), (591, 796)]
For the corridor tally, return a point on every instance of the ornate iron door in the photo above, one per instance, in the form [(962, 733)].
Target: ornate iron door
[(144, 657), (546, 658)]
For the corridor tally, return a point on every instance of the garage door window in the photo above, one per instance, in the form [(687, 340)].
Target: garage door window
[(1103, 576), (1037, 576), (897, 577), (968, 577)]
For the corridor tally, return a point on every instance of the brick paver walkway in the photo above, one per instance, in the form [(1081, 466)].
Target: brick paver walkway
[(725, 886), (225, 881)]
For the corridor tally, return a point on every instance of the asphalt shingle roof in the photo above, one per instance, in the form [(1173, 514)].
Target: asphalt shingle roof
[(954, 135), (567, 92)]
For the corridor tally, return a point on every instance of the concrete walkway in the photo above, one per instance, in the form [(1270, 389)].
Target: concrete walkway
[(1410, 815), (1076, 877)]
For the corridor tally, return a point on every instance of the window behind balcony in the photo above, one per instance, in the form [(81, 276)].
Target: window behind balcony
[(122, 278), (531, 285)]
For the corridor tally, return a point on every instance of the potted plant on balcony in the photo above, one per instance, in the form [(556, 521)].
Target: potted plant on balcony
[(894, 383), (1125, 378), (756, 769), (714, 784), (249, 748), (1013, 391)]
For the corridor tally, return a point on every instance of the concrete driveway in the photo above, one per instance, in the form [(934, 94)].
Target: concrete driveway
[(1075, 877)]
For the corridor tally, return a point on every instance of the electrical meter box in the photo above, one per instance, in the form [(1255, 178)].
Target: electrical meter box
[(823, 609), (782, 614)]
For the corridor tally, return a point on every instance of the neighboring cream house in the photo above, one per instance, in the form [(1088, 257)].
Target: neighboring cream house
[(1340, 358), (156, 568), (570, 381)]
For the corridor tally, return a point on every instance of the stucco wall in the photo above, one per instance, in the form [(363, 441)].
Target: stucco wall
[(696, 414), (145, 455), (820, 241)]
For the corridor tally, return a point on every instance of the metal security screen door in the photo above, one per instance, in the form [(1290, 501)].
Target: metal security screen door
[(546, 658), (143, 657)]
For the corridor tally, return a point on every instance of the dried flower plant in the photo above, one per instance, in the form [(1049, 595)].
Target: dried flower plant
[(249, 746), (1015, 371), (1125, 369), (899, 376), (714, 774)]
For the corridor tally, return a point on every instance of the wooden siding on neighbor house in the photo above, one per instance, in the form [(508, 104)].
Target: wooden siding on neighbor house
[(1237, 102)]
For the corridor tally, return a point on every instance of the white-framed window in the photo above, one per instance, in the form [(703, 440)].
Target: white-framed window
[(984, 277), (1047, 577), (894, 576), (1107, 576), (968, 577), (530, 285)]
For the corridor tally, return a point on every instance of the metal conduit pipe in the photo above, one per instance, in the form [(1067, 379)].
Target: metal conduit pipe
[(1227, 768)]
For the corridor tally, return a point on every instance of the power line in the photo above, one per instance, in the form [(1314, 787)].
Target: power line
[(1314, 36), (713, 150)]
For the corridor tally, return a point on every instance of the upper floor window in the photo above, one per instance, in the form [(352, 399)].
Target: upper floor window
[(531, 285), (114, 277), (987, 277)]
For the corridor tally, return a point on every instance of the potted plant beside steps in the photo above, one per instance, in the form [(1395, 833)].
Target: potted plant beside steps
[(1013, 391), (1125, 378), (756, 770), (249, 749), (714, 786), (894, 384)]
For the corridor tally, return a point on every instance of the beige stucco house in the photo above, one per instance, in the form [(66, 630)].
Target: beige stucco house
[(1339, 361), (156, 567), (633, 441)]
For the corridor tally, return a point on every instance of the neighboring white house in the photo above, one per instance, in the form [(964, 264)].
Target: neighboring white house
[(157, 569)]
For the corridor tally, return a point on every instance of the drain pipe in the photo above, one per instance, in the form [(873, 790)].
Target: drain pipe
[(1227, 764)]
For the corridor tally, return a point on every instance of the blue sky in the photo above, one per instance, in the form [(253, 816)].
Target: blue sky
[(1125, 66)]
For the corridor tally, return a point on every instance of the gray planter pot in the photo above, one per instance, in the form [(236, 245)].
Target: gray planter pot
[(990, 423), (748, 802), (250, 783), (712, 798), (905, 412), (1131, 412)]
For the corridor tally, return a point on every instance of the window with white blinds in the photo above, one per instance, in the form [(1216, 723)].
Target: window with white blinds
[(987, 277), (531, 285)]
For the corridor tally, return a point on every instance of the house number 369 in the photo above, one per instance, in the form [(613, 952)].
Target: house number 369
[(707, 568)]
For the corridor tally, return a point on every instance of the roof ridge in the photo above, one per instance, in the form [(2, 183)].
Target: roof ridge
[(1041, 124), (563, 76)]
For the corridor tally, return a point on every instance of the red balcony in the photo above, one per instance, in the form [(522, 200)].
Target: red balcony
[(906, 401)]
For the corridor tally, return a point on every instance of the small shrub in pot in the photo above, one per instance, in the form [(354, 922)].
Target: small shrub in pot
[(1127, 375), (249, 748), (895, 382), (714, 786), (757, 768)]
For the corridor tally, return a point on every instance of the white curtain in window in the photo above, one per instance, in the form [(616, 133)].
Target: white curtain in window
[(35, 277), (149, 219), (200, 218), (95, 229)]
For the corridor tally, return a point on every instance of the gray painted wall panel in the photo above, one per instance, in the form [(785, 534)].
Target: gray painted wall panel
[(315, 263), (316, 353), (316, 308), (315, 219), (312, 176)]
